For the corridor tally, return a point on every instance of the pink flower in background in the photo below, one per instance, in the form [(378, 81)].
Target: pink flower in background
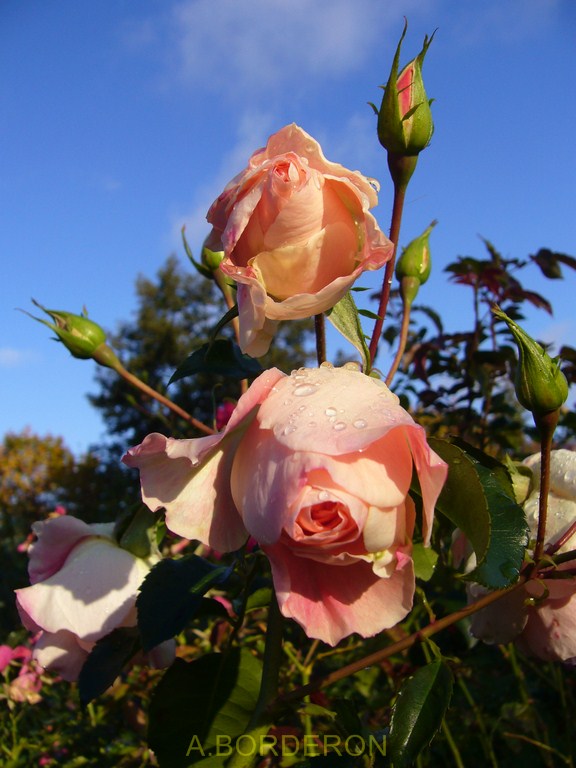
[(541, 617), (296, 232), (316, 466), (223, 413), (83, 587)]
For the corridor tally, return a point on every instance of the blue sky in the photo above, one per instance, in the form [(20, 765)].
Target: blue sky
[(121, 122)]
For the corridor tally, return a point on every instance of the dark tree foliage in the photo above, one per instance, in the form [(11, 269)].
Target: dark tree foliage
[(460, 383)]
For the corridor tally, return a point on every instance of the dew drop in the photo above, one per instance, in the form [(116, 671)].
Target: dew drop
[(330, 411), (289, 429), (323, 496), (302, 390), (352, 366), (360, 424), (339, 426), (326, 364)]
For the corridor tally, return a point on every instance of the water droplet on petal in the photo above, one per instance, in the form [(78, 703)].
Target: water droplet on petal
[(339, 426), (360, 424), (289, 429), (326, 364), (323, 496), (302, 390), (330, 411)]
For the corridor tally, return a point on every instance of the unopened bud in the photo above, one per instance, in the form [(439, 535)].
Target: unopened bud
[(540, 385), (82, 337), (414, 265), (405, 124)]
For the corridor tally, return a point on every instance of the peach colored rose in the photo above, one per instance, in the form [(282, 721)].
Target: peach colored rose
[(315, 466), (83, 587), (296, 233), (541, 617)]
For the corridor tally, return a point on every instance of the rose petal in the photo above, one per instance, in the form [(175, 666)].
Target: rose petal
[(61, 653), (191, 478), (90, 595), (332, 602), (57, 537)]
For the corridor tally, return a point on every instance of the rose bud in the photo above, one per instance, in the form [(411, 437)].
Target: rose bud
[(414, 265), (405, 123), (540, 385), (83, 338)]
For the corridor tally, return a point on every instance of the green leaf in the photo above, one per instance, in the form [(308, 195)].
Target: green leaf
[(424, 559), (172, 594), (105, 662), (222, 357), (478, 498), (344, 317), (197, 702), (418, 713), (204, 271)]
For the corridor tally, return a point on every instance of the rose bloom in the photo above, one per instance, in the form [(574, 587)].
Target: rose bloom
[(541, 617), (315, 466), (296, 232), (83, 587)]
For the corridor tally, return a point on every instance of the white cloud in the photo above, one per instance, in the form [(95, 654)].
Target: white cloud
[(230, 46), (15, 358)]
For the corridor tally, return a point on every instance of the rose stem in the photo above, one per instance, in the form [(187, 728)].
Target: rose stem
[(546, 425), (319, 327), (400, 171), (401, 343), (139, 384), (400, 645), (271, 664)]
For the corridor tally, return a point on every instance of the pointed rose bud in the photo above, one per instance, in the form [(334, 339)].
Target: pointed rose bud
[(405, 123), (414, 266), (540, 385), (82, 337)]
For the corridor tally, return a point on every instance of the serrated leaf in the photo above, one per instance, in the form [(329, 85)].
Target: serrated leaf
[(172, 594), (344, 317), (425, 559), (197, 702), (479, 499), (105, 662), (223, 357), (418, 713)]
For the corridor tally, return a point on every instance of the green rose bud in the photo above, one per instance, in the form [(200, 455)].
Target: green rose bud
[(405, 123), (540, 385), (414, 265), (82, 337)]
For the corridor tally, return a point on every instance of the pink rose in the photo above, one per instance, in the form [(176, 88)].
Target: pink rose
[(316, 466), (541, 617), (296, 233), (83, 586)]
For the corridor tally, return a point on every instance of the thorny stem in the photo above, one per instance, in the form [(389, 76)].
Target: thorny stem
[(139, 384), (397, 208), (546, 425), (400, 645), (320, 329)]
